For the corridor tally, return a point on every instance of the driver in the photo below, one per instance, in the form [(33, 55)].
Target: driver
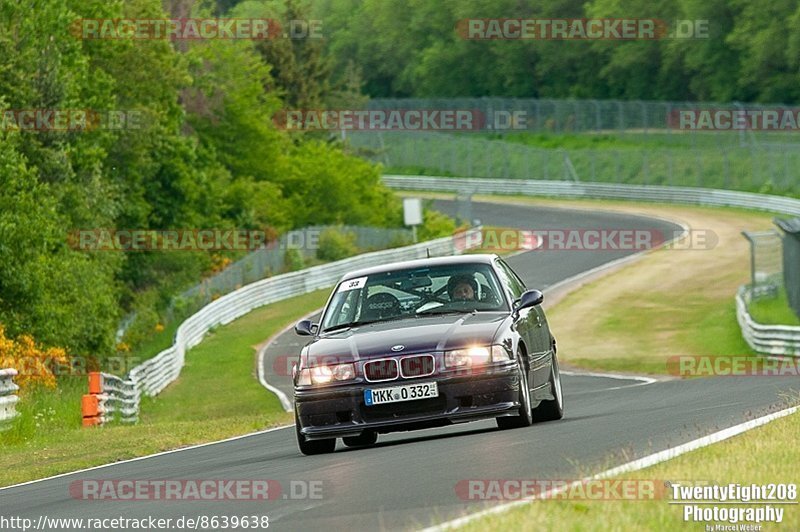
[(462, 287)]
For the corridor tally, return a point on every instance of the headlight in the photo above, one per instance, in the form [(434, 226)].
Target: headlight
[(475, 356), (499, 353), (327, 374)]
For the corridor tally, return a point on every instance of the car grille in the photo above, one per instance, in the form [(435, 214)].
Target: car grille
[(381, 370), (417, 366)]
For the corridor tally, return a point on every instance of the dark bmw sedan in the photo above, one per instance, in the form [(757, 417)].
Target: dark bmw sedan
[(421, 344)]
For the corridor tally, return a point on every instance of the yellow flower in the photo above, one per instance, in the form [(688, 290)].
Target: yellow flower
[(33, 364)]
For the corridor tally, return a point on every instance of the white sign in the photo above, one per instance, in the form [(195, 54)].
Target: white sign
[(412, 211), (352, 284)]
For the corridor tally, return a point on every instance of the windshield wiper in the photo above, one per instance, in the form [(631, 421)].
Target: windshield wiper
[(365, 322), (448, 311)]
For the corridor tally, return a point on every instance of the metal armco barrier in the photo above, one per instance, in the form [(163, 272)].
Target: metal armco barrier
[(112, 394), (766, 339), (110, 398), (568, 189), (8, 397)]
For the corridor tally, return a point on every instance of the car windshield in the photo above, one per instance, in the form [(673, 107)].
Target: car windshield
[(411, 293)]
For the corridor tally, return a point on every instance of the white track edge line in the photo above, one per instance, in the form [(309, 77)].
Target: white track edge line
[(634, 465), (282, 397), (138, 458), (646, 380)]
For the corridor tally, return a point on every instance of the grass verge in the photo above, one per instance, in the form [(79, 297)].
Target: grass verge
[(774, 310), (47, 438), (655, 159), (763, 456), (671, 302)]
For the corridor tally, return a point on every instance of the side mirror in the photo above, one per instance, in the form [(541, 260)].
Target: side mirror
[(529, 298), (305, 328)]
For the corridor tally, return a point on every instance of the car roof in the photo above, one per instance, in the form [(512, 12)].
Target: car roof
[(481, 258)]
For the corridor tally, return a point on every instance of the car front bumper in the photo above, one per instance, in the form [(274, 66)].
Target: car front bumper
[(340, 411)]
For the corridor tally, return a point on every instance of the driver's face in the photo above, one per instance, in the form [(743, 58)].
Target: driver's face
[(463, 291)]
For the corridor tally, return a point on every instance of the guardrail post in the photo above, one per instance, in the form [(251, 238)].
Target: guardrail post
[(92, 403), (8, 397)]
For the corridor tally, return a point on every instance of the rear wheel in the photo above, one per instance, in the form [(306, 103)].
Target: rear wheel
[(309, 447), (553, 409), (368, 437), (524, 416)]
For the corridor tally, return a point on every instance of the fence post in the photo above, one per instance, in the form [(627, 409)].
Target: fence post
[(8, 397), (92, 404)]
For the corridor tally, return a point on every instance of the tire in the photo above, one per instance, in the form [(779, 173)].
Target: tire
[(524, 417), (366, 438), (313, 446), (554, 409)]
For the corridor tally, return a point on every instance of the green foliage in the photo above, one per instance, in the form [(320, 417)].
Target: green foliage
[(335, 244), (752, 52), (325, 187), (207, 156), (293, 260), (435, 225)]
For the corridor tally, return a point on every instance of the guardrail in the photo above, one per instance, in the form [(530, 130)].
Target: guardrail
[(568, 189), (765, 339), (8, 396), (151, 377), (110, 397)]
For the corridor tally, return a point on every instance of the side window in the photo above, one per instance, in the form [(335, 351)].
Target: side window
[(345, 310), (510, 278)]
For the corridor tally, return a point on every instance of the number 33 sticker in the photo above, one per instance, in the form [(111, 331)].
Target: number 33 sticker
[(352, 284)]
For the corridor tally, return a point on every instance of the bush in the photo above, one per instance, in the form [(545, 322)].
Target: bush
[(34, 364), (293, 260), (335, 244), (435, 225)]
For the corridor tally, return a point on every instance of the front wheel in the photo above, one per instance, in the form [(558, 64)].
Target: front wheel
[(524, 416), (313, 446), (554, 409)]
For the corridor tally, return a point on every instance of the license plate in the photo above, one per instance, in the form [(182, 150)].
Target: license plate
[(396, 394)]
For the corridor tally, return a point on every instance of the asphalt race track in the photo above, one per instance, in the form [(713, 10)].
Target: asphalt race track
[(408, 480)]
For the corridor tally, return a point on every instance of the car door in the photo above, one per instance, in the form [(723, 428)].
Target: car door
[(536, 331), (523, 324)]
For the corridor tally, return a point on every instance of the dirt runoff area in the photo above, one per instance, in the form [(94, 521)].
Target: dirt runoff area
[(668, 302)]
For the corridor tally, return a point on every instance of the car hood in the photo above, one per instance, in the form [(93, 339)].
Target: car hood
[(426, 334)]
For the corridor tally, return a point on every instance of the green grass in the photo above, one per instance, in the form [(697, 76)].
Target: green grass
[(766, 455), (154, 344), (217, 396), (706, 327), (652, 138), (773, 310), (655, 159), (604, 140)]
